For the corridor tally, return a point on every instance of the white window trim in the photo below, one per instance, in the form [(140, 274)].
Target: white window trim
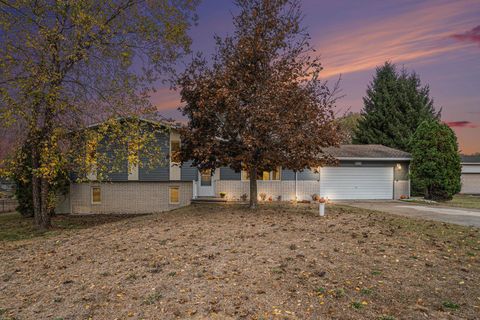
[(171, 154), (170, 194), (91, 195)]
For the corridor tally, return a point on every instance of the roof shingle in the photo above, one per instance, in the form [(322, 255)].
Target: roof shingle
[(470, 158), (366, 151)]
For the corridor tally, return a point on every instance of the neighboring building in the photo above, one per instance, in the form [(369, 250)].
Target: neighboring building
[(363, 172), (7, 187), (471, 174)]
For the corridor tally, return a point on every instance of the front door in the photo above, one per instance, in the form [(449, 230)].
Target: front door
[(205, 184)]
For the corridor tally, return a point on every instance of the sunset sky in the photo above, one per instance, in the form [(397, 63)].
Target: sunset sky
[(438, 39)]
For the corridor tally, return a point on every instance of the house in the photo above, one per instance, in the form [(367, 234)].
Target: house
[(363, 172), (470, 174)]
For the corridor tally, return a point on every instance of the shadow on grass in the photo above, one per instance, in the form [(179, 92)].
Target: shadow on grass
[(14, 227)]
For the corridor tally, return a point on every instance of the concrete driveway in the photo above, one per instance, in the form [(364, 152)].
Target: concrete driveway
[(461, 216)]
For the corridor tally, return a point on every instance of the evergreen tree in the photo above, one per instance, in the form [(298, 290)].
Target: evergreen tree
[(435, 165), (395, 105)]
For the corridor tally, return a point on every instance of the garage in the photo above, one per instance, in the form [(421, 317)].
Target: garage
[(471, 183), (470, 174), (362, 183)]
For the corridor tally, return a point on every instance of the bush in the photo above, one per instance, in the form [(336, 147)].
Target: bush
[(435, 166), (23, 181), (263, 196)]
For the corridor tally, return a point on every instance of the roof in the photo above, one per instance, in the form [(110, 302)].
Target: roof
[(367, 152), (470, 158)]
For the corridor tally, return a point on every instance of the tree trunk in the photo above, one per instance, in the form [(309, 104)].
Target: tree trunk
[(253, 188), (40, 190), (36, 195), (45, 208)]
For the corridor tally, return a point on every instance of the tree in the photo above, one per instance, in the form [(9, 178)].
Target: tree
[(67, 64), (348, 125), (395, 105), (260, 103), (435, 165), (23, 182)]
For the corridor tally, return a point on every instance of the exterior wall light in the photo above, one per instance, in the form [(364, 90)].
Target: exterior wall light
[(399, 166)]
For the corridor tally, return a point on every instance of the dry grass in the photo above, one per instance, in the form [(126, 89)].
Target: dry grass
[(224, 262), (14, 227)]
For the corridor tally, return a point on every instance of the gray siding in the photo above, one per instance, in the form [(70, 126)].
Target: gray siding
[(161, 172), (288, 175), (188, 173), (308, 175), (122, 173), (229, 174), (402, 174), (121, 165)]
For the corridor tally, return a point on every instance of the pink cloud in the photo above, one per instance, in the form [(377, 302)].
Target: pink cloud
[(422, 33), (461, 124), (469, 36)]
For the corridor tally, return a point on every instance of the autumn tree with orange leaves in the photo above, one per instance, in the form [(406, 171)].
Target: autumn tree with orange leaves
[(259, 103)]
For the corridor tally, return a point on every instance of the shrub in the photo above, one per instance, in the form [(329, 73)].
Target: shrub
[(435, 166), (244, 197), (263, 196), (223, 194), (315, 197)]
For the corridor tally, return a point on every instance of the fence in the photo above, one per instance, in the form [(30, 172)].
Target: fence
[(8, 205)]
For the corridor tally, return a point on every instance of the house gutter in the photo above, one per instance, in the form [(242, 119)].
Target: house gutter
[(373, 159)]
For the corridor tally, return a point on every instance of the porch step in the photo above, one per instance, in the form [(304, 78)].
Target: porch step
[(208, 200)]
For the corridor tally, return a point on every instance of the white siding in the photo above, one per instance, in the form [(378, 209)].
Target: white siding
[(471, 183), (357, 183), (471, 168), (175, 171)]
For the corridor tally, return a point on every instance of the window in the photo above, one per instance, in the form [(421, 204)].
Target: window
[(96, 195), (265, 175), (276, 174), (175, 151), (174, 193), (206, 178)]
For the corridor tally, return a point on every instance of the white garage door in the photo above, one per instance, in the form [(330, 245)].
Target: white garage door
[(357, 183)]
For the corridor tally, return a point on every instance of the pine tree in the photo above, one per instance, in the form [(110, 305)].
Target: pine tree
[(435, 165), (395, 105)]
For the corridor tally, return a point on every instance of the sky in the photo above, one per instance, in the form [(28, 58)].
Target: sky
[(438, 39)]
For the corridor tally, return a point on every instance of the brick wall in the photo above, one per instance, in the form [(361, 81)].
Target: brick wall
[(125, 197)]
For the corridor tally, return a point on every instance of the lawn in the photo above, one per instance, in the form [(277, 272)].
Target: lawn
[(458, 201), (225, 262), (464, 201)]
